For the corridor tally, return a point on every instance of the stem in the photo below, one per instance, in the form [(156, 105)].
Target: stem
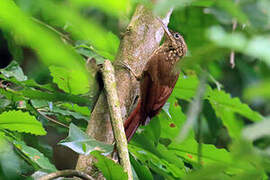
[(66, 173), (116, 118), (52, 29)]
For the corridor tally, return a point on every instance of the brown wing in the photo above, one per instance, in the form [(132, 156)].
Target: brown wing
[(154, 92)]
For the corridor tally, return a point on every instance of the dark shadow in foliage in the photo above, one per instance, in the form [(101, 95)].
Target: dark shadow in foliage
[(5, 55)]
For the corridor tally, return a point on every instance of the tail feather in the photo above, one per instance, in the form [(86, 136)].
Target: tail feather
[(133, 122)]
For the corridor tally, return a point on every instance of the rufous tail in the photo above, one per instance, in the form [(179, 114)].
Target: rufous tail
[(133, 122)]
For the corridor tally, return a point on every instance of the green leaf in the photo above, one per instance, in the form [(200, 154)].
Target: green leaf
[(188, 150), (80, 109), (21, 122), (172, 126), (85, 50), (14, 70), (225, 108), (215, 171), (152, 130), (203, 3), (185, 87), (158, 151), (81, 143), (35, 156), (110, 169), (43, 41), (157, 164), (66, 112), (104, 43), (63, 109), (9, 160), (223, 102), (116, 8), (67, 80), (165, 108), (142, 171), (30, 93), (28, 83)]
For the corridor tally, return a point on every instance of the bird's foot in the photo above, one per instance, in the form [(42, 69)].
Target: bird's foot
[(126, 66)]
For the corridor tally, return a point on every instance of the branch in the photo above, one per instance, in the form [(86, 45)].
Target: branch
[(67, 173), (116, 118)]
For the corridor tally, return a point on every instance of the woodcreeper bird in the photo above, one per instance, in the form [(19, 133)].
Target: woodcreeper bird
[(157, 80)]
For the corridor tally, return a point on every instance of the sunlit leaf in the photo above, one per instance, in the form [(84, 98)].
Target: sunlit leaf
[(172, 126), (111, 7), (225, 107), (67, 80), (74, 107), (38, 38), (185, 87), (188, 150), (223, 101), (21, 122), (203, 3), (104, 42)]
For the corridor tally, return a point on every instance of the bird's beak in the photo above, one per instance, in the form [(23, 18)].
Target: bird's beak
[(168, 34)]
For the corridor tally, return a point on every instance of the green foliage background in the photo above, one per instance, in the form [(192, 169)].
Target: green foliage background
[(47, 85)]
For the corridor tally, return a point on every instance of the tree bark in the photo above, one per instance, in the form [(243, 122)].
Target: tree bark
[(142, 37)]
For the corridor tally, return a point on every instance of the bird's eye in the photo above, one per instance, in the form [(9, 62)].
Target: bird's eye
[(176, 36)]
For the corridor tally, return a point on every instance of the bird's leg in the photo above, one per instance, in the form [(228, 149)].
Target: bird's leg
[(126, 66)]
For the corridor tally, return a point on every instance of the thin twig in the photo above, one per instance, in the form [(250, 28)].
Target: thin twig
[(194, 108), (52, 29), (116, 117), (39, 112), (234, 26), (51, 119), (218, 84), (67, 173)]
